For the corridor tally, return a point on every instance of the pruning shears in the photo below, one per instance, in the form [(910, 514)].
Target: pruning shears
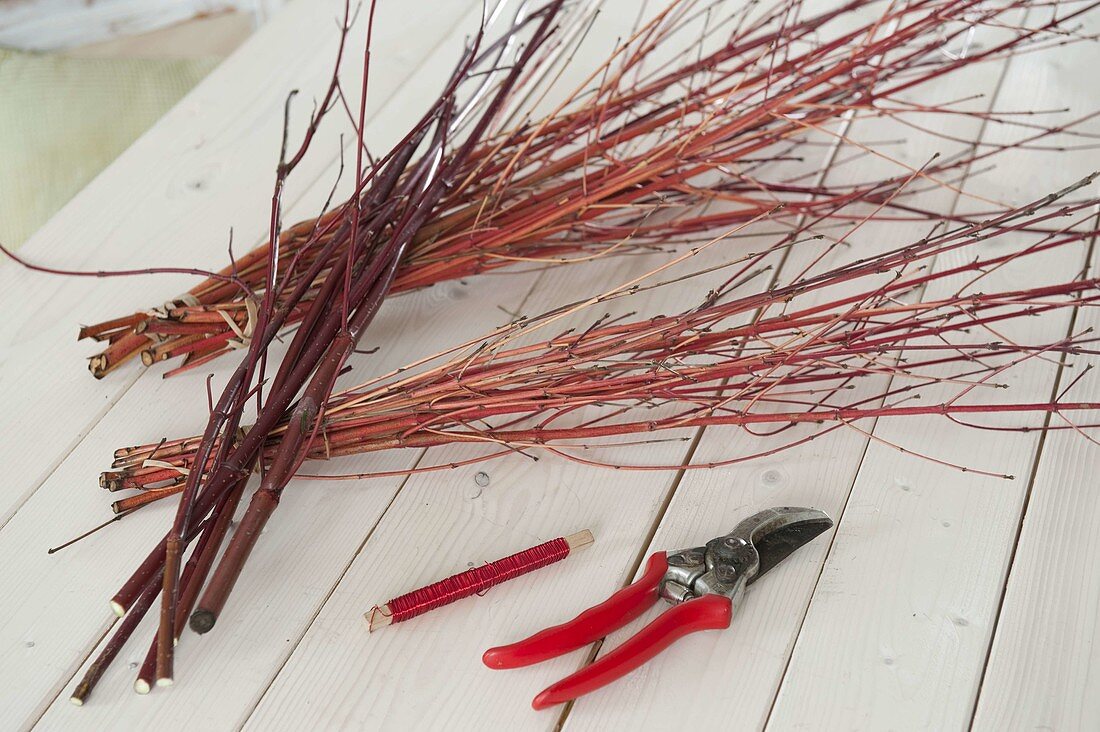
[(704, 584)]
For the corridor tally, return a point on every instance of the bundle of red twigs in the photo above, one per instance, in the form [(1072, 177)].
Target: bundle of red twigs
[(622, 164), (711, 365), (394, 198), (634, 158)]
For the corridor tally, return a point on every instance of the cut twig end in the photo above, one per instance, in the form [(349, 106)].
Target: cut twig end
[(202, 621), (164, 681), (141, 686), (117, 607)]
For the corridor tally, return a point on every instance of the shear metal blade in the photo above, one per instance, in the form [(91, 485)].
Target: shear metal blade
[(777, 532)]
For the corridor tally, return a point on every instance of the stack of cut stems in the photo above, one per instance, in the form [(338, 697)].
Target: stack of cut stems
[(623, 167)]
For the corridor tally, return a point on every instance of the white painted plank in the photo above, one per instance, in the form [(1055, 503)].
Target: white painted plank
[(171, 200), (731, 679), (897, 631), (1042, 669)]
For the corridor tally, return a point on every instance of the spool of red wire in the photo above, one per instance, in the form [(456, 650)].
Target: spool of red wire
[(475, 581)]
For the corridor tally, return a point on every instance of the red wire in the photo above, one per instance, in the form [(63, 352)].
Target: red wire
[(476, 580)]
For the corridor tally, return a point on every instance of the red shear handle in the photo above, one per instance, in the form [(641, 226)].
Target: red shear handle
[(593, 624), (709, 612)]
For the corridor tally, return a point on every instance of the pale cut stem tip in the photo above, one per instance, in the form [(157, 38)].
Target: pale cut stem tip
[(119, 610), (164, 682), (77, 701), (579, 540), (142, 687), (379, 617)]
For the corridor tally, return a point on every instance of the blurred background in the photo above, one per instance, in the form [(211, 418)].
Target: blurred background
[(81, 79)]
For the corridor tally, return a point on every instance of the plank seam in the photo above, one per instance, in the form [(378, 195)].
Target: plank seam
[(70, 448), (662, 511), (71, 674), (1036, 461), (983, 126)]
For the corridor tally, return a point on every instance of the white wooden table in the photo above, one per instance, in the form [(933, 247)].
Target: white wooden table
[(942, 600)]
